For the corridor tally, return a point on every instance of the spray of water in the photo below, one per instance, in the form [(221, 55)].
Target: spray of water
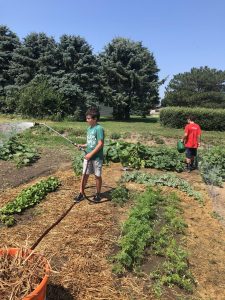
[(8, 130)]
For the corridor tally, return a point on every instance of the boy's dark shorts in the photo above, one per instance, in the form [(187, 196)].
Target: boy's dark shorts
[(190, 152)]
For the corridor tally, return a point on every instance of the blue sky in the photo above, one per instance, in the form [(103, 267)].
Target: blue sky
[(181, 33)]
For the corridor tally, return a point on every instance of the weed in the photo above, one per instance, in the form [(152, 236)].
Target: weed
[(159, 140), (120, 195), (115, 136), (217, 216)]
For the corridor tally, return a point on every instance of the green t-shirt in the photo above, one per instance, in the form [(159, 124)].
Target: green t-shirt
[(94, 135)]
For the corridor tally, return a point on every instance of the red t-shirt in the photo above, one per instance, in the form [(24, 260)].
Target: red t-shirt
[(193, 130)]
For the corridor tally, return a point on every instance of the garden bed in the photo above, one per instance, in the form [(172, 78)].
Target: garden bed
[(81, 245)]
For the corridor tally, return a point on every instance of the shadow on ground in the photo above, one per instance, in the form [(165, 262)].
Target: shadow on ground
[(58, 292)]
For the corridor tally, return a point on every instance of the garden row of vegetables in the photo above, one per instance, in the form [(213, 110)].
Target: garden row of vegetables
[(154, 228), (211, 161), (26, 199)]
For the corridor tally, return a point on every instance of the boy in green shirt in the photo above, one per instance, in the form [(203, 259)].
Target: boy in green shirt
[(93, 159)]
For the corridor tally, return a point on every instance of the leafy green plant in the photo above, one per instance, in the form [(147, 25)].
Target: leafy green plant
[(115, 136), (137, 231), (78, 163), (28, 198), (7, 220), (162, 180), (120, 195), (212, 165), (138, 155), (159, 140), (152, 228), (14, 150)]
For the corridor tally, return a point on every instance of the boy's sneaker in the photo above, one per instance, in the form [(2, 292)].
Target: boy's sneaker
[(79, 197), (97, 198)]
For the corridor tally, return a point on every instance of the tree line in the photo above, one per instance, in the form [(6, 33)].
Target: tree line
[(40, 77)]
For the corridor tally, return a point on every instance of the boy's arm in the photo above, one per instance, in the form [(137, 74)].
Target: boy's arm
[(97, 148), (185, 137), (199, 137)]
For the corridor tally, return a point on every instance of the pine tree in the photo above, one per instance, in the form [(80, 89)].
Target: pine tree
[(36, 55), (130, 75), (8, 43), (200, 87)]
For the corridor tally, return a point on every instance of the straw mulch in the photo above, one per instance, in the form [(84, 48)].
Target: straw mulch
[(20, 274), (79, 246)]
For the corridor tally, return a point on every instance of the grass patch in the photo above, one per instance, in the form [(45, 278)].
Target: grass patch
[(149, 127)]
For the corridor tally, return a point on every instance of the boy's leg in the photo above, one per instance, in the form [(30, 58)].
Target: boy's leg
[(98, 178), (188, 158), (87, 169), (194, 163), (98, 184), (83, 183)]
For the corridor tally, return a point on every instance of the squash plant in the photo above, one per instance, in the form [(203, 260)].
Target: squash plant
[(14, 150), (138, 155)]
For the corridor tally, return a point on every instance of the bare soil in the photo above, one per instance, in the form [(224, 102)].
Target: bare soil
[(49, 162), (81, 244)]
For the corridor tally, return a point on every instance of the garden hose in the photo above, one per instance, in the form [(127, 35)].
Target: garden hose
[(73, 204), (59, 219), (68, 140)]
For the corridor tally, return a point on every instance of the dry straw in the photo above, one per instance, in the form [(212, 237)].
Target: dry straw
[(20, 274)]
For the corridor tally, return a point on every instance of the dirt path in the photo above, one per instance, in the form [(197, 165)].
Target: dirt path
[(81, 244), (49, 162)]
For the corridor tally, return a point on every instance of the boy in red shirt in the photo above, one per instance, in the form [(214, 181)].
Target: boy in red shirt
[(191, 139)]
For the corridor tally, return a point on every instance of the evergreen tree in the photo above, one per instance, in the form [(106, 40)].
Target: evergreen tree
[(200, 87), (36, 55), (130, 78), (79, 77), (8, 43)]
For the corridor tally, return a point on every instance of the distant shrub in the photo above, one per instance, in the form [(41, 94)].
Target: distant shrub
[(207, 118)]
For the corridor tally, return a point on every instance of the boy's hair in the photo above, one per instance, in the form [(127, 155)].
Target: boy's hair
[(93, 112), (191, 118)]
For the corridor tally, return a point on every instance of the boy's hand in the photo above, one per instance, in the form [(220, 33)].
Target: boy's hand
[(81, 146), (88, 156)]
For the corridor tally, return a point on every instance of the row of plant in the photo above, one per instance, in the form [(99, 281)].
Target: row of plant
[(212, 166), (20, 153), (138, 155), (27, 198), (154, 227), (208, 118), (211, 161), (162, 180)]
